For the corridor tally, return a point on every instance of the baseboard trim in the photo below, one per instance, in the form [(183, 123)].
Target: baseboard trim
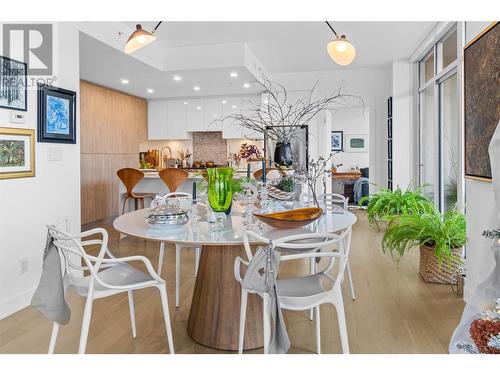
[(16, 303), (98, 223)]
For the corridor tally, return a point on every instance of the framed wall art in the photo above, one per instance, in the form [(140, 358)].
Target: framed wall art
[(337, 140), (13, 83), (481, 104), (17, 153), (356, 143), (56, 115)]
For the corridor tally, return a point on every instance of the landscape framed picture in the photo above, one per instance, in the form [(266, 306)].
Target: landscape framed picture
[(17, 153), (337, 140), (13, 82), (356, 143), (56, 114)]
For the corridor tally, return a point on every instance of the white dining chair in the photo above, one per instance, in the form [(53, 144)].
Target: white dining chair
[(335, 202), (305, 292), (178, 248), (108, 276)]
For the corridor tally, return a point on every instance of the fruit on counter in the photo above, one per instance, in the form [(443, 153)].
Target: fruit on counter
[(197, 164), (146, 165), (210, 164)]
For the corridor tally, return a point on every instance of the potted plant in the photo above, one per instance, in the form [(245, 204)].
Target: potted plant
[(387, 203), (439, 236)]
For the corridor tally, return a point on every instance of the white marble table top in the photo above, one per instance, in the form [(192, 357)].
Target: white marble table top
[(200, 231)]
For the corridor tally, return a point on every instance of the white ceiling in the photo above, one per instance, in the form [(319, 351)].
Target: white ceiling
[(300, 46), (279, 46)]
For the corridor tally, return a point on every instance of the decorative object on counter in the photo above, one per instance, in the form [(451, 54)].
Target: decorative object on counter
[(13, 83), (356, 143), (17, 153), (440, 237), (153, 158), (337, 140), (210, 164), (234, 159), (289, 219), (220, 192), (56, 114), (312, 176), (281, 121)]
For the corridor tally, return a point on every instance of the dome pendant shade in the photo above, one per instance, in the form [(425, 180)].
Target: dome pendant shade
[(341, 51), (138, 39)]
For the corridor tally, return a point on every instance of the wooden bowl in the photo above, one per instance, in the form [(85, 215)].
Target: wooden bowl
[(290, 219)]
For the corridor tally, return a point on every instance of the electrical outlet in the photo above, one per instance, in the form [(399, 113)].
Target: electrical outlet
[(23, 266)]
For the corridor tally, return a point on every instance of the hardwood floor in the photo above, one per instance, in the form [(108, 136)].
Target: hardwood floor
[(395, 311)]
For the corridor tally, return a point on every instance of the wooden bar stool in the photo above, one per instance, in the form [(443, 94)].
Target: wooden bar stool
[(173, 177), (130, 178)]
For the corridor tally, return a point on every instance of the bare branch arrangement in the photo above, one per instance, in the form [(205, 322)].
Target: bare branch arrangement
[(284, 120), (318, 169)]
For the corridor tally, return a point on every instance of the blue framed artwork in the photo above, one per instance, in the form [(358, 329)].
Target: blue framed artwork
[(56, 114)]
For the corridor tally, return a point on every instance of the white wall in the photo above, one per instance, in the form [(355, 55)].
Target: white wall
[(402, 124), (480, 210), (28, 204), (353, 120), (372, 85)]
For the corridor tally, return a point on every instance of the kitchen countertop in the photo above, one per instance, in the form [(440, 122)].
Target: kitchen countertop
[(192, 173)]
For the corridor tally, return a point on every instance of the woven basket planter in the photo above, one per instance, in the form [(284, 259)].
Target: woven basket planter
[(434, 272)]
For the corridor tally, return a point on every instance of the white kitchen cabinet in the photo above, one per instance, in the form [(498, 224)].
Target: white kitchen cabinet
[(231, 129), (195, 115), (248, 103), (176, 120), (157, 119), (213, 114)]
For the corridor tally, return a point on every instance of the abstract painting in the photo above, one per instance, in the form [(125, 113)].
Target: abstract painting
[(56, 114), (356, 142), (13, 82), (481, 100), (17, 153), (337, 140)]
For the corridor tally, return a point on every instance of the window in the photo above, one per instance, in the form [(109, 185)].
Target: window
[(439, 126)]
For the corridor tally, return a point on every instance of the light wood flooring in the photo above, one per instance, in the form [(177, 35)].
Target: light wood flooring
[(395, 311)]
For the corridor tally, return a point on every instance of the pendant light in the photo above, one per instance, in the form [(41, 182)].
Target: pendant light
[(340, 50), (140, 38)]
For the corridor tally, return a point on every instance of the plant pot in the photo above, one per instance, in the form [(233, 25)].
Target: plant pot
[(432, 271), (283, 154)]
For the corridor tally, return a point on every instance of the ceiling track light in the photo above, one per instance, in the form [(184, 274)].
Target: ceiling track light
[(340, 50), (140, 38)]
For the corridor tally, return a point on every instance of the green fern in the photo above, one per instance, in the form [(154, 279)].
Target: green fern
[(443, 232), (387, 203)]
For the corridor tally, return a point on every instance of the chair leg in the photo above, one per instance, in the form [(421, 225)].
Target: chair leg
[(132, 312), (351, 285), (87, 314), (312, 271), (266, 319), (177, 273), (124, 205), (339, 306), (196, 260), (160, 257), (53, 338), (166, 317), (243, 315), (317, 324)]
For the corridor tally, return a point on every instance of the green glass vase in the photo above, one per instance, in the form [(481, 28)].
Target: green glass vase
[(220, 194)]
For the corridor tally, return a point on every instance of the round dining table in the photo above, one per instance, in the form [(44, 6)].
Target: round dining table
[(215, 306)]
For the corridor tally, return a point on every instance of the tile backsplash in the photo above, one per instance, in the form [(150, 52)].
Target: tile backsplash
[(209, 146)]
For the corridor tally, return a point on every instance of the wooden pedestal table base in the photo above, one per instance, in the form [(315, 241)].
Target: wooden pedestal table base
[(215, 308)]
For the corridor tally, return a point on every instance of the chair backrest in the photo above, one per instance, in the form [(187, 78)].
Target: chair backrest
[(309, 245), (173, 177), (130, 177), (337, 203)]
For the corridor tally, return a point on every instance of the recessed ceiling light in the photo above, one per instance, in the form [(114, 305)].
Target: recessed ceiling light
[(198, 107), (224, 101), (186, 103), (233, 107), (233, 74), (177, 78), (124, 81), (151, 91), (246, 85), (196, 88)]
